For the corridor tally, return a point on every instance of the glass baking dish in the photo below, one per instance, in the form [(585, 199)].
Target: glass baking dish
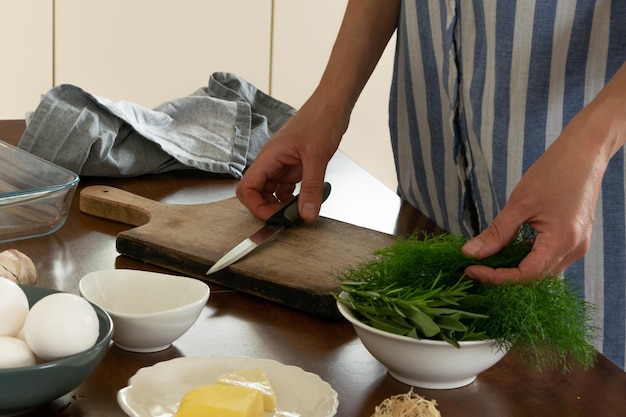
[(35, 195)]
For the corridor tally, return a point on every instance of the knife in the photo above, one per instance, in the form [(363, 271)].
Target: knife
[(284, 218)]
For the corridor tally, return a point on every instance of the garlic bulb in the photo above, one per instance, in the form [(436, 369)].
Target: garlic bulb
[(17, 267)]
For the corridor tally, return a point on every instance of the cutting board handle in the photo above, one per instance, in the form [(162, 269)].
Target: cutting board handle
[(115, 204)]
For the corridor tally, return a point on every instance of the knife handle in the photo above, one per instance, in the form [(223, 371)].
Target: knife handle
[(288, 215)]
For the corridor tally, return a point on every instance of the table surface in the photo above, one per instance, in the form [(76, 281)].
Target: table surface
[(234, 323)]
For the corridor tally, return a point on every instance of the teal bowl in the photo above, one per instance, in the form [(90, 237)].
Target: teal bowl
[(25, 388)]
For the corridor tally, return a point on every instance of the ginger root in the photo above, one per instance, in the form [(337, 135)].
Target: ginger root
[(17, 267), (407, 405)]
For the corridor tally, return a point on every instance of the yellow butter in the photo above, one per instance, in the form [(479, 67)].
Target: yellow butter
[(255, 379), (219, 400)]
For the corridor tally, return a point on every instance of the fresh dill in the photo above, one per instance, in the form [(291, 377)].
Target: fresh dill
[(416, 288)]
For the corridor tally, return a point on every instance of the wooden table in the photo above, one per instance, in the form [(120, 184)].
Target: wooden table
[(234, 323)]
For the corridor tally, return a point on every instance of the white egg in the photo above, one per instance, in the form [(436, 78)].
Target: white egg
[(61, 325), (15, 353), (20, 335), (13, 307)]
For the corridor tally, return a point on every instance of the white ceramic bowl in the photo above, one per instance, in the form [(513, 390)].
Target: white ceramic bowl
[(425, 363), (149, 310)]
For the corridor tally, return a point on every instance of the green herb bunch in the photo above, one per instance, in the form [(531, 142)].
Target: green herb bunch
[(416, 288)]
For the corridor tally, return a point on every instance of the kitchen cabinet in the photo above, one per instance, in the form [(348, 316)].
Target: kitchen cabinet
[(26, 48), (150, 51)]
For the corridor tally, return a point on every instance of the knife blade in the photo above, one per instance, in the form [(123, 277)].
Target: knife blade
[(284, 218)]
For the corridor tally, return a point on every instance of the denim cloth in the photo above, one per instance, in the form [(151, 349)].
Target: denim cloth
[(219, 129)]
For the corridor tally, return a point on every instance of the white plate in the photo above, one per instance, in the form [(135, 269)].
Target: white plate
[(156, 391)]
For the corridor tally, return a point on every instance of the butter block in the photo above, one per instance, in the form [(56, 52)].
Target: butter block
[(255, 379), (220, 400)]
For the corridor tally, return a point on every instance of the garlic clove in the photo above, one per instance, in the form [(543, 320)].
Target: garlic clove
[(17, 267)]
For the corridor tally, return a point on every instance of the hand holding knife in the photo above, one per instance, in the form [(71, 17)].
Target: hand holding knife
[(284, 218)]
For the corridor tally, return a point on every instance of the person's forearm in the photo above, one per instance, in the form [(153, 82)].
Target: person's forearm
[(364, 33), (605, 117)]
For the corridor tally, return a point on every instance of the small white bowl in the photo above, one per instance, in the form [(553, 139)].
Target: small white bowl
[(425, 363), (149, 310)]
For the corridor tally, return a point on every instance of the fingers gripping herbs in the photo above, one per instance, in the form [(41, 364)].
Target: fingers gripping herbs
[(416, 288)]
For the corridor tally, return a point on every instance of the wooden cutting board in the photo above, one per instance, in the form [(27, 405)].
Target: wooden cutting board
[(295, 268)]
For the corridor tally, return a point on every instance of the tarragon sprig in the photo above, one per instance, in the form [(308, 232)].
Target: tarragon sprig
[(437, 312)]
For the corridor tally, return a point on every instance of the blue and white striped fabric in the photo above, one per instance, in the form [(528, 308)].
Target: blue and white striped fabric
[(480, 89)]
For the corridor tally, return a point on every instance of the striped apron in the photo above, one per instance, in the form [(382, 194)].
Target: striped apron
[(481, 88)]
